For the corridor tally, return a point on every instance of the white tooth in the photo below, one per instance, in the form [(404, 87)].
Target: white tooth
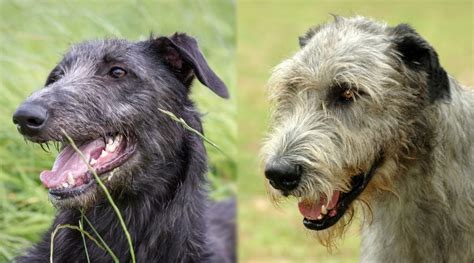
[(70, 179), (324, 210), (319, 217), (111, 147), (110, 140), (64, 185), (103, 154), (93, 161), (111, 175), (116, 142)]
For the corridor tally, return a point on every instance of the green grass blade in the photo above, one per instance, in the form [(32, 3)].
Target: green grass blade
[(59, 227), (83, 238), (187, 127), (107, 194), (109, 250)]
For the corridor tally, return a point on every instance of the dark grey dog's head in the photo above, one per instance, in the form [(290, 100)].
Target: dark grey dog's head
[(107, 96)]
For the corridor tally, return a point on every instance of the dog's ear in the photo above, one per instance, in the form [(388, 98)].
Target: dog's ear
[(417, 54), (182, 54), (304, 39)]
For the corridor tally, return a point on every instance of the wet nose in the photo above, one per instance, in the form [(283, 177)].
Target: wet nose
[(283, 176), (30, 118)]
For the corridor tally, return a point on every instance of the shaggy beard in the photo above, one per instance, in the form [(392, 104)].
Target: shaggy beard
[(360, 208)]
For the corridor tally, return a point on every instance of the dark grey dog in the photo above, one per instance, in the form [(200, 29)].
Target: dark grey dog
[(107, 96), (366, 117)]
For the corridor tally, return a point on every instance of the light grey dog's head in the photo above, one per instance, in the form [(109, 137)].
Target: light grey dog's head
[(347, 107)]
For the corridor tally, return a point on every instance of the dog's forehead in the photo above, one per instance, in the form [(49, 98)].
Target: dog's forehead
[(345, 39), (355, 50), (339, 51), (92, 52)]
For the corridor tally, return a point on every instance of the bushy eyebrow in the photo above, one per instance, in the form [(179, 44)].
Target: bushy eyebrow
[(113, 58)]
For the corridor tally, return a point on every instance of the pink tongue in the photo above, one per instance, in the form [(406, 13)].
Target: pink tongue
[(313, 210), (70, 162)]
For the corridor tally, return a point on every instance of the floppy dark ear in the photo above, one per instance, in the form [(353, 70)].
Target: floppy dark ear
[(304, 39), (182, 54), (417, 54)]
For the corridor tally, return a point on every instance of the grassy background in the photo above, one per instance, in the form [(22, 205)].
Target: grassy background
[(34, 35), (267, 33)]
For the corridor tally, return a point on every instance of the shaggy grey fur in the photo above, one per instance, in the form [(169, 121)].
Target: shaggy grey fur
[(359, 91)]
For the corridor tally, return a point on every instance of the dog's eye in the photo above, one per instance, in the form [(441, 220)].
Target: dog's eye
[(117, 72), (344, 94), (53, 78), (348, 95)]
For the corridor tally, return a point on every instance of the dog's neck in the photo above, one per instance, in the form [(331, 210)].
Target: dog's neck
[(433, 203), (175, 240)]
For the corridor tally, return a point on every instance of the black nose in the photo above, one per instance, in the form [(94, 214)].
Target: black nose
[(283, 176), (30, 118)]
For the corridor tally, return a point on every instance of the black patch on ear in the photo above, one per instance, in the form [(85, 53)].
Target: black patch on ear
[(417, 54), (182, 54), (304, 39)]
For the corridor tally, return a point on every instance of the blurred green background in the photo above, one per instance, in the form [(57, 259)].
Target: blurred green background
[(267, 34), (35, 34)]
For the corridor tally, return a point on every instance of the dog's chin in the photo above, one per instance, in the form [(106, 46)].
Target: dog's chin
[(71, 183), (87, 198), (328, 210), (90, 194)]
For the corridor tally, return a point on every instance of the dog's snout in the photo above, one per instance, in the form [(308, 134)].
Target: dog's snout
[(30, 118), (283, 176)]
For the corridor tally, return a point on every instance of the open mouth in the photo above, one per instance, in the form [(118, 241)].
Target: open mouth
[(71, 176), (327, 211)]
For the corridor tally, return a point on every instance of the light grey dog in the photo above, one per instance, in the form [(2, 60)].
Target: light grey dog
[(364, 116)]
